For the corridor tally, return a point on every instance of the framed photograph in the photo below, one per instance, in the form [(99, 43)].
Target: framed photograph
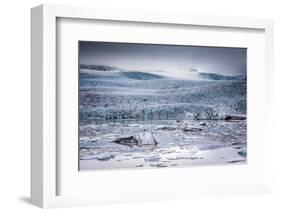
[(149, 106)]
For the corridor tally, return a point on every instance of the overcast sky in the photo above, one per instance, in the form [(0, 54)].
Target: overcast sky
[(164, 57)]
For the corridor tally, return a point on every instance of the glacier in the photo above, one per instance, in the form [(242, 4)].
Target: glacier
[(166, 121)]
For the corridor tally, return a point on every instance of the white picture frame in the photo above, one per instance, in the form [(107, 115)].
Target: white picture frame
[(45, 169)]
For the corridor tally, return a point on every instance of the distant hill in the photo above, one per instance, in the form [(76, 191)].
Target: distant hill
[(215, 76), (98, 67), (141, 75)]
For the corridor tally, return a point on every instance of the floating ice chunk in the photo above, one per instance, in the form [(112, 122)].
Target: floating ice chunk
[(236, 160), (165, 161), (141, 139), (182, 158), (203, 124), (104, 156), (128, 141), (191, 129), (211, 146), (207, 114), (101, 156), (243, 152), (145, 138), (89, 157), (152, 158), (158, 165), (235, 117), (168, 128), (137, 157)]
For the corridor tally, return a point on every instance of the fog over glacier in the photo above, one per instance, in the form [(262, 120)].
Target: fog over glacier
[(167, 58)]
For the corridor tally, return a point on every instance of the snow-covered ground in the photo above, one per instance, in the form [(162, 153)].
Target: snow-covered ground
[(132, 119)]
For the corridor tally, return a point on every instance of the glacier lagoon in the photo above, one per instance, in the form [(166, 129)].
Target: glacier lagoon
[(147, 119)]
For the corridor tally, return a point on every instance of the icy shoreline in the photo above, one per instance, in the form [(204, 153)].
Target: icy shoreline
[(217, 142)]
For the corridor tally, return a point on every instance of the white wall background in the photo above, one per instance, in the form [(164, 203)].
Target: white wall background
[(15, 99)]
